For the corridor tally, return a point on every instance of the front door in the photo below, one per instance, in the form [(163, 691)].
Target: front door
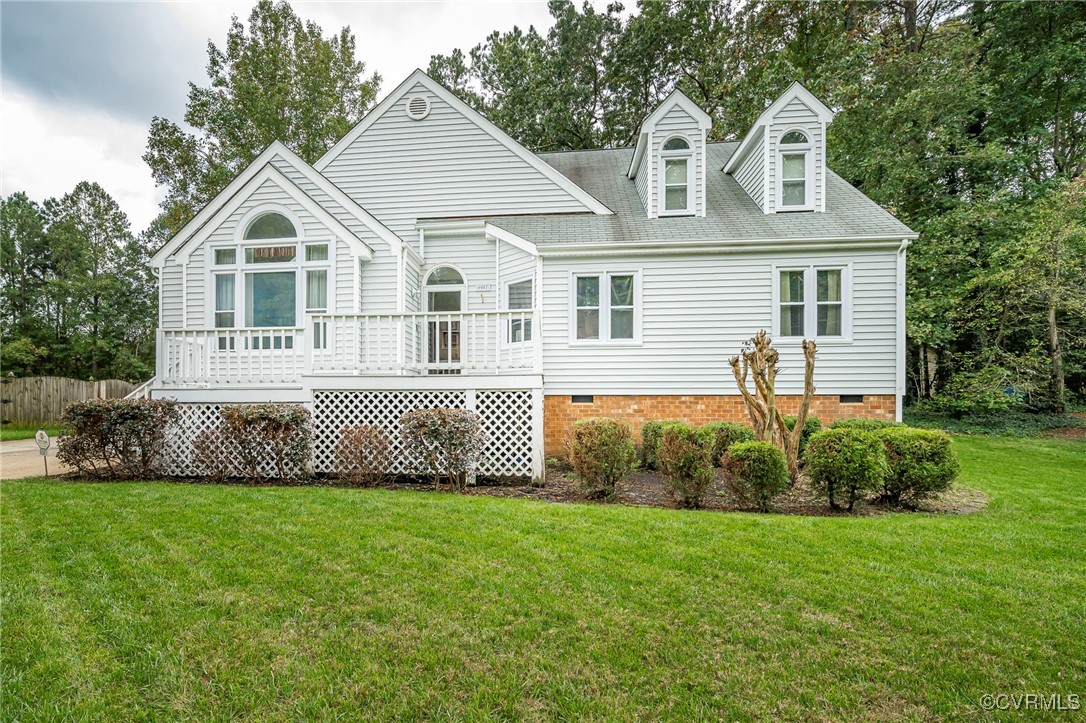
[(443, 335)]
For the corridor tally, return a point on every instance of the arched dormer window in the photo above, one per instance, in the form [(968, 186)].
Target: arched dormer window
[(270, 225), (795, 188), (676, 177)]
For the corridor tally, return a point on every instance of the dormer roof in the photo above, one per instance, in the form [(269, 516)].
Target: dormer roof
[(793, 92), (676, 98)]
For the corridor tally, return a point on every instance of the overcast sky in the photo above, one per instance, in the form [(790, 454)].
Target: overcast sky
[(81, 81)]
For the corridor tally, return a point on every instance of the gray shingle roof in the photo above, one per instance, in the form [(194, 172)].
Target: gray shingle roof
[(731, 214)]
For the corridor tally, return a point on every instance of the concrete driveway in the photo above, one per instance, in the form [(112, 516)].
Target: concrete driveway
[(20, 458)]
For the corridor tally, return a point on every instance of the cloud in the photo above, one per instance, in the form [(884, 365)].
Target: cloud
[(81, 81), (49, 148)]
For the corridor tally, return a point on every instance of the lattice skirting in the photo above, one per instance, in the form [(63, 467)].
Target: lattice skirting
[(507, 417)]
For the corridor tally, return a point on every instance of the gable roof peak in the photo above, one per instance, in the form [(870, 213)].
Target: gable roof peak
[(794, 91), (675, 98)]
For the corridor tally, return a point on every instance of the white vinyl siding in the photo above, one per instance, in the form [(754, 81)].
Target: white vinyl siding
[(171, 294), (641, 180), (751, 173), (400, 170), (696, 312), (797, 116)]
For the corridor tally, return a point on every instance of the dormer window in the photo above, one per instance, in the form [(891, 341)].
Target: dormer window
[(677, 196), (795, 189)]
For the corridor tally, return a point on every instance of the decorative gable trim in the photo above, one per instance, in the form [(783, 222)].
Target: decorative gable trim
[(269, 172), (419, 77), (644, 140), (201, 219), (794, 91)]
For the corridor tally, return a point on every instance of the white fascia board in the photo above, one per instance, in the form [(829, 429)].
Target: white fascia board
[(681, 99), (270, 173), (512, 239), (589, 201), (242, 179), (450, 226), (639, 153), (738, 245)]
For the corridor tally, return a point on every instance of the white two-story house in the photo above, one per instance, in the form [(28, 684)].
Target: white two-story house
[(428, 259)]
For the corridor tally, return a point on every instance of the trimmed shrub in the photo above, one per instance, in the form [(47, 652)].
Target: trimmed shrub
[(273, 438), (846, 465), (865, 424), (811, 425), (718, 437), (214, 451), (115, 439), (363, 454), (757, 472), (922, 464), (602, 452), (445, 443), (687, 465), (651, 434)]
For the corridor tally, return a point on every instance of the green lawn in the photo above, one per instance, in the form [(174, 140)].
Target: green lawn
[(154, 601), (8, 432)]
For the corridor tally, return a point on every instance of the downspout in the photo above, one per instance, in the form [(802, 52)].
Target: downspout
[(900, 365)]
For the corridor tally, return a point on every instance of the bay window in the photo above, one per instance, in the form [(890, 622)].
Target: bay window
[(812, 302), (606, 307)]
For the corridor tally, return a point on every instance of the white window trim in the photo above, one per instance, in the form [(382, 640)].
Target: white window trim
[(427, 287), (239, 268), (807, 149), (504, 291), (257, 211), (661, 185), (605, 308), (810, 303)]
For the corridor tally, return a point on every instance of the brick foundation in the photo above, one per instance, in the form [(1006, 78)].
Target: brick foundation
[(560, 412)]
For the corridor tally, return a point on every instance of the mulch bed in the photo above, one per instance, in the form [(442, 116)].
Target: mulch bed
[(647, 488)]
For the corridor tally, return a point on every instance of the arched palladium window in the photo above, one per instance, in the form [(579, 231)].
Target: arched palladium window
[(270, 225), (795, 188), (444, 276), (676, 177)]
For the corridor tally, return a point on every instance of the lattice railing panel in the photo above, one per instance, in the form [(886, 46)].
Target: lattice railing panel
[(179, 458), (334, 410), (507, 419)]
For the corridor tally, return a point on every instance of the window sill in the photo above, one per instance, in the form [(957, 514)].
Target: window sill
[(795, 209), (820, 340), (589, 343), (672, 214)]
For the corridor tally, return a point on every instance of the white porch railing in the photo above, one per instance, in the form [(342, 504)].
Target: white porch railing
[(230, 356), (485, 342)]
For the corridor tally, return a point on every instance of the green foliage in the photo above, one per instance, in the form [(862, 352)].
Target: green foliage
[(446, 442), (718, 437), (116, 439), (846, 465), (279, 79), (686, 463), (272, 441), (922, 464), (987, 390), (364, 454), (1009, 424), (602, 452), (651, 434), (865, 424), (811, 425), (756, 473)]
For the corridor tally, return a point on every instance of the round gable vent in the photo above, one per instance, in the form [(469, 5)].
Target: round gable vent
[(418, 107)]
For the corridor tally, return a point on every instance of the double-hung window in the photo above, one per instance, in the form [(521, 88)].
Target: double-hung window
[(606, 307), (518, 297), (795, 187), (676, 170), (812, 302)]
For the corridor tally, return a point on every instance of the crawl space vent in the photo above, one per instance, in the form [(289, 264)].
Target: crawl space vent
[(418, 107)]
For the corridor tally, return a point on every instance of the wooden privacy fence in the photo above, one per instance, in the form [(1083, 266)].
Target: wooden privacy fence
[(36, 400)]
